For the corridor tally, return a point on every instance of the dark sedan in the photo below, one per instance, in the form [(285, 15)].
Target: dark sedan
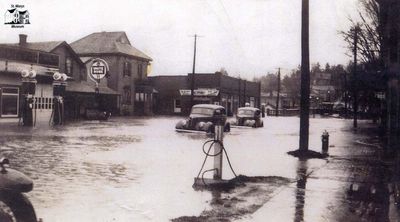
[(203, 117), (249, 116)]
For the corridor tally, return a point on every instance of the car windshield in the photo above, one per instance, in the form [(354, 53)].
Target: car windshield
[(245, 112), (203, 111)]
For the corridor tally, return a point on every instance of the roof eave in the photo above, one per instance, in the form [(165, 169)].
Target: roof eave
[(114, 53)]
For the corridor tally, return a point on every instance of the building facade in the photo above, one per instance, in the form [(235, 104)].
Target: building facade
[(16, 59), (174, 92), (390, 26), (80, 90), (127, 68)]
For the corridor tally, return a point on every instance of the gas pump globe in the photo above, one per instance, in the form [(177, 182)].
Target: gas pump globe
[(28, 89), (28, 82), (59, 83)]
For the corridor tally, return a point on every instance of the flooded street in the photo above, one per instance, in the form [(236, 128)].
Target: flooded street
[(142, 170)]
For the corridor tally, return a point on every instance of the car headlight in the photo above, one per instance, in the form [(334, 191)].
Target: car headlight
[(181, 124), (249, 123), (200, 126)]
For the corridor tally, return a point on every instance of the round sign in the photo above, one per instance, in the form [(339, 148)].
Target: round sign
[(98, 69)]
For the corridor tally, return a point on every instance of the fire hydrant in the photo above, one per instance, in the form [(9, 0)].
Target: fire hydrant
[(325, 141)]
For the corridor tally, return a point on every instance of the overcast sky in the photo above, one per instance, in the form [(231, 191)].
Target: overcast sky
[(247, 37)]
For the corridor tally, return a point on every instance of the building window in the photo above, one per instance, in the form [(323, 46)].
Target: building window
[(140, 71), (127, 95), (139, 97), (127, 68), (9, 102), (68, 66), (177, 106)]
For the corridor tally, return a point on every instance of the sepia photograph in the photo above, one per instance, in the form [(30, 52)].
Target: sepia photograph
[(200, 111)]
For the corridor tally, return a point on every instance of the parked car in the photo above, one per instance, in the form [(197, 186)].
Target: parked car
[(203, 117), (96, 114), (248, 116)]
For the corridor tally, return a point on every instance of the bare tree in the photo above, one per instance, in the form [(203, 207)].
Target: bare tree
[(369, 34), (223, 71)]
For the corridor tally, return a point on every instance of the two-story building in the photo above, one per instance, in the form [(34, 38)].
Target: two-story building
[(80, 90), (390, 26), (127, 68), (18, 58)]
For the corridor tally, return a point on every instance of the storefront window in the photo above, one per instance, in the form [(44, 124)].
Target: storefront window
[(177, 106), (9, 102), (177, 103)]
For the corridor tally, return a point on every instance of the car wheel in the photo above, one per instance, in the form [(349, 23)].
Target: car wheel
[(16, 207)]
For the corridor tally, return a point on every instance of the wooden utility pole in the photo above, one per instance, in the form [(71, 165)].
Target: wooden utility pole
[(193, 72), (345, 95), (278, 92), (355, 89), (305, 77)]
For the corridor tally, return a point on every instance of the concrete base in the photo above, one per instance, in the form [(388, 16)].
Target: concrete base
[(308, 154), (242, 127), (190, 131), (212, 184)]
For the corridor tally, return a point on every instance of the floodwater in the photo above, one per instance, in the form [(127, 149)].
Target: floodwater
[(140, 169)]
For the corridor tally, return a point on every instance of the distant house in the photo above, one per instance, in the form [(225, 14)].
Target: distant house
[(322, 87), (269, 100), (128, 69), (12, 16)]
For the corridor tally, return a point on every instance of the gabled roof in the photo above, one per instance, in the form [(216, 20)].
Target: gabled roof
[(107, 43)]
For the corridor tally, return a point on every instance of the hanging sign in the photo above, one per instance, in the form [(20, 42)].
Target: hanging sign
[(98, 69)]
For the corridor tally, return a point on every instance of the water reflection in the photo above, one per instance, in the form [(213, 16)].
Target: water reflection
[(300, 190)]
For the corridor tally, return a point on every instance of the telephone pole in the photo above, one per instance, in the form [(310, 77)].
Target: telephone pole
[(278, 92), (305, 78), (193, 71), (355, 89)]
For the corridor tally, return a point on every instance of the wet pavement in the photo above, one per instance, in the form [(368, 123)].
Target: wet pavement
[(140, 169)]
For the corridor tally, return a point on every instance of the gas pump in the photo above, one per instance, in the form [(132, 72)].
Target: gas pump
[(28, 89), (59, 85), (200, 182)]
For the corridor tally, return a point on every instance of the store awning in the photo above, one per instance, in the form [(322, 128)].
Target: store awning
[(85, 87)]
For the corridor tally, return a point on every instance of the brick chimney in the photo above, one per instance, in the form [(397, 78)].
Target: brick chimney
[(22, 39)]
